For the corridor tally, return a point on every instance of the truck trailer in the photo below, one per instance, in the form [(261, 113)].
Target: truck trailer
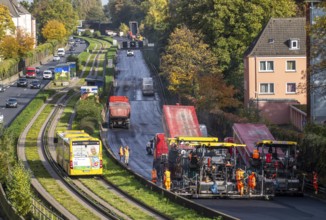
[(119, 111)]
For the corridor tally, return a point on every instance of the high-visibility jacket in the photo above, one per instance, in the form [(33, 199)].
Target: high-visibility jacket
[(239, 174), (167, 175), (126, 152), (121, 151), (255, 154)]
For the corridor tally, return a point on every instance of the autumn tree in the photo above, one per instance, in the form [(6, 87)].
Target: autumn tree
[(230, 27), (19, 189), (89, 9), (54, 30), (192, 70), (157, 14), (60, 10), (9, 47), (25, 42), (6, 23)]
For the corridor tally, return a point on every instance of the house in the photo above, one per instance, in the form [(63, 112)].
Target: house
[(21, 17), (275, 69)]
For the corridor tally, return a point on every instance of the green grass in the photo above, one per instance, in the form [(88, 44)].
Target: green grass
[(115, 200)]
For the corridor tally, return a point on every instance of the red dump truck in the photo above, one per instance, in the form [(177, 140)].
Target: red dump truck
[(178, 120), (119, 111)]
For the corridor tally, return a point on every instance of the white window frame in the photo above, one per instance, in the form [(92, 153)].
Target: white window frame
[(295, 66), (291, 92), (266, 65), (269, 86), (294, 44)]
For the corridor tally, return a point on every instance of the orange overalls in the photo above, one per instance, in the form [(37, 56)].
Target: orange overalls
[(154, 176), (252, 181)]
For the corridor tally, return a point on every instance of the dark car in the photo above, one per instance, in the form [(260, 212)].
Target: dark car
[(38, 70), (35, 84), (72, 49), (22, 82), (11, 103), (51, 69)]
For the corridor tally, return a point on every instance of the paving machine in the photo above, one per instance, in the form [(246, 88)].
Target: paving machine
[(277, 162), (202, 167)]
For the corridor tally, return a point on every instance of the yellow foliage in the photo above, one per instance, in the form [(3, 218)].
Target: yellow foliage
[(9, 47), (54, 30)]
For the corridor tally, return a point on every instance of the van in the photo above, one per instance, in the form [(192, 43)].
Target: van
[(30, 72), (148, 86), (61, 52)]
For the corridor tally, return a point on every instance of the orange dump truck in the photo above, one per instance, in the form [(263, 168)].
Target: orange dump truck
[(119, 111)]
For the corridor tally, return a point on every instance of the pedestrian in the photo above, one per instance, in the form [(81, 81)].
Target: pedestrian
[(154, 175), (126, 155), (315, 181), (252, 182), (167, 179), (121, 153)]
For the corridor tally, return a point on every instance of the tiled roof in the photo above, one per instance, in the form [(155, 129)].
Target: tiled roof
[(275, 38), (15, 8)]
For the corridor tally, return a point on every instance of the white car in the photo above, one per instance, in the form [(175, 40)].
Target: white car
[(130, 53), (1, 118), (47, 74), (56, 58)]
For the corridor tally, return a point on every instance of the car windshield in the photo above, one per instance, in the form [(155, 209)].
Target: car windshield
[(12, 100), (23, 80)]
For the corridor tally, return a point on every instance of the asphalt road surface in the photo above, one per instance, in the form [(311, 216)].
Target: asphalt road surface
[(146, 121)]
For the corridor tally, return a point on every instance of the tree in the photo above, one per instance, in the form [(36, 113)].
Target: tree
[(60, 10), (7, 154), (123, 11), (54, 30), (9, 47), (188, 64), (6, 23), (19, 189), (25, 42), (230, 27), (89, 9), (157, 14)]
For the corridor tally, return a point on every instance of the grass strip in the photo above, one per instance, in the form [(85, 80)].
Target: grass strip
[(128, 183), (44, 177), (115, 200)]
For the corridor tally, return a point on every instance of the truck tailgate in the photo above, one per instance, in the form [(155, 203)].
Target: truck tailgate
[(119, 109), (180, 120)]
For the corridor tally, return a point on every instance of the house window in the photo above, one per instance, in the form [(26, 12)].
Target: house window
[(294, 44), (266, 66), (291, 88), (290, 65), (266, 88)]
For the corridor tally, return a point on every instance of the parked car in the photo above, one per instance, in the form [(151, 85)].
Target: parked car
[(56, 58), (47, 74), (22, 82), (1, 118), (11, 103), (35, 84), (130, 53)]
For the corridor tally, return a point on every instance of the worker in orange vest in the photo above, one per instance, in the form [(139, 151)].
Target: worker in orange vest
[(121, 153), (252, 182), (154, 175), (167, 179), (255, 154), (315, 181), (239, 175)]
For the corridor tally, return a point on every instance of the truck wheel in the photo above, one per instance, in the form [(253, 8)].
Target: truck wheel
[(128, 126), (111, 125)]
